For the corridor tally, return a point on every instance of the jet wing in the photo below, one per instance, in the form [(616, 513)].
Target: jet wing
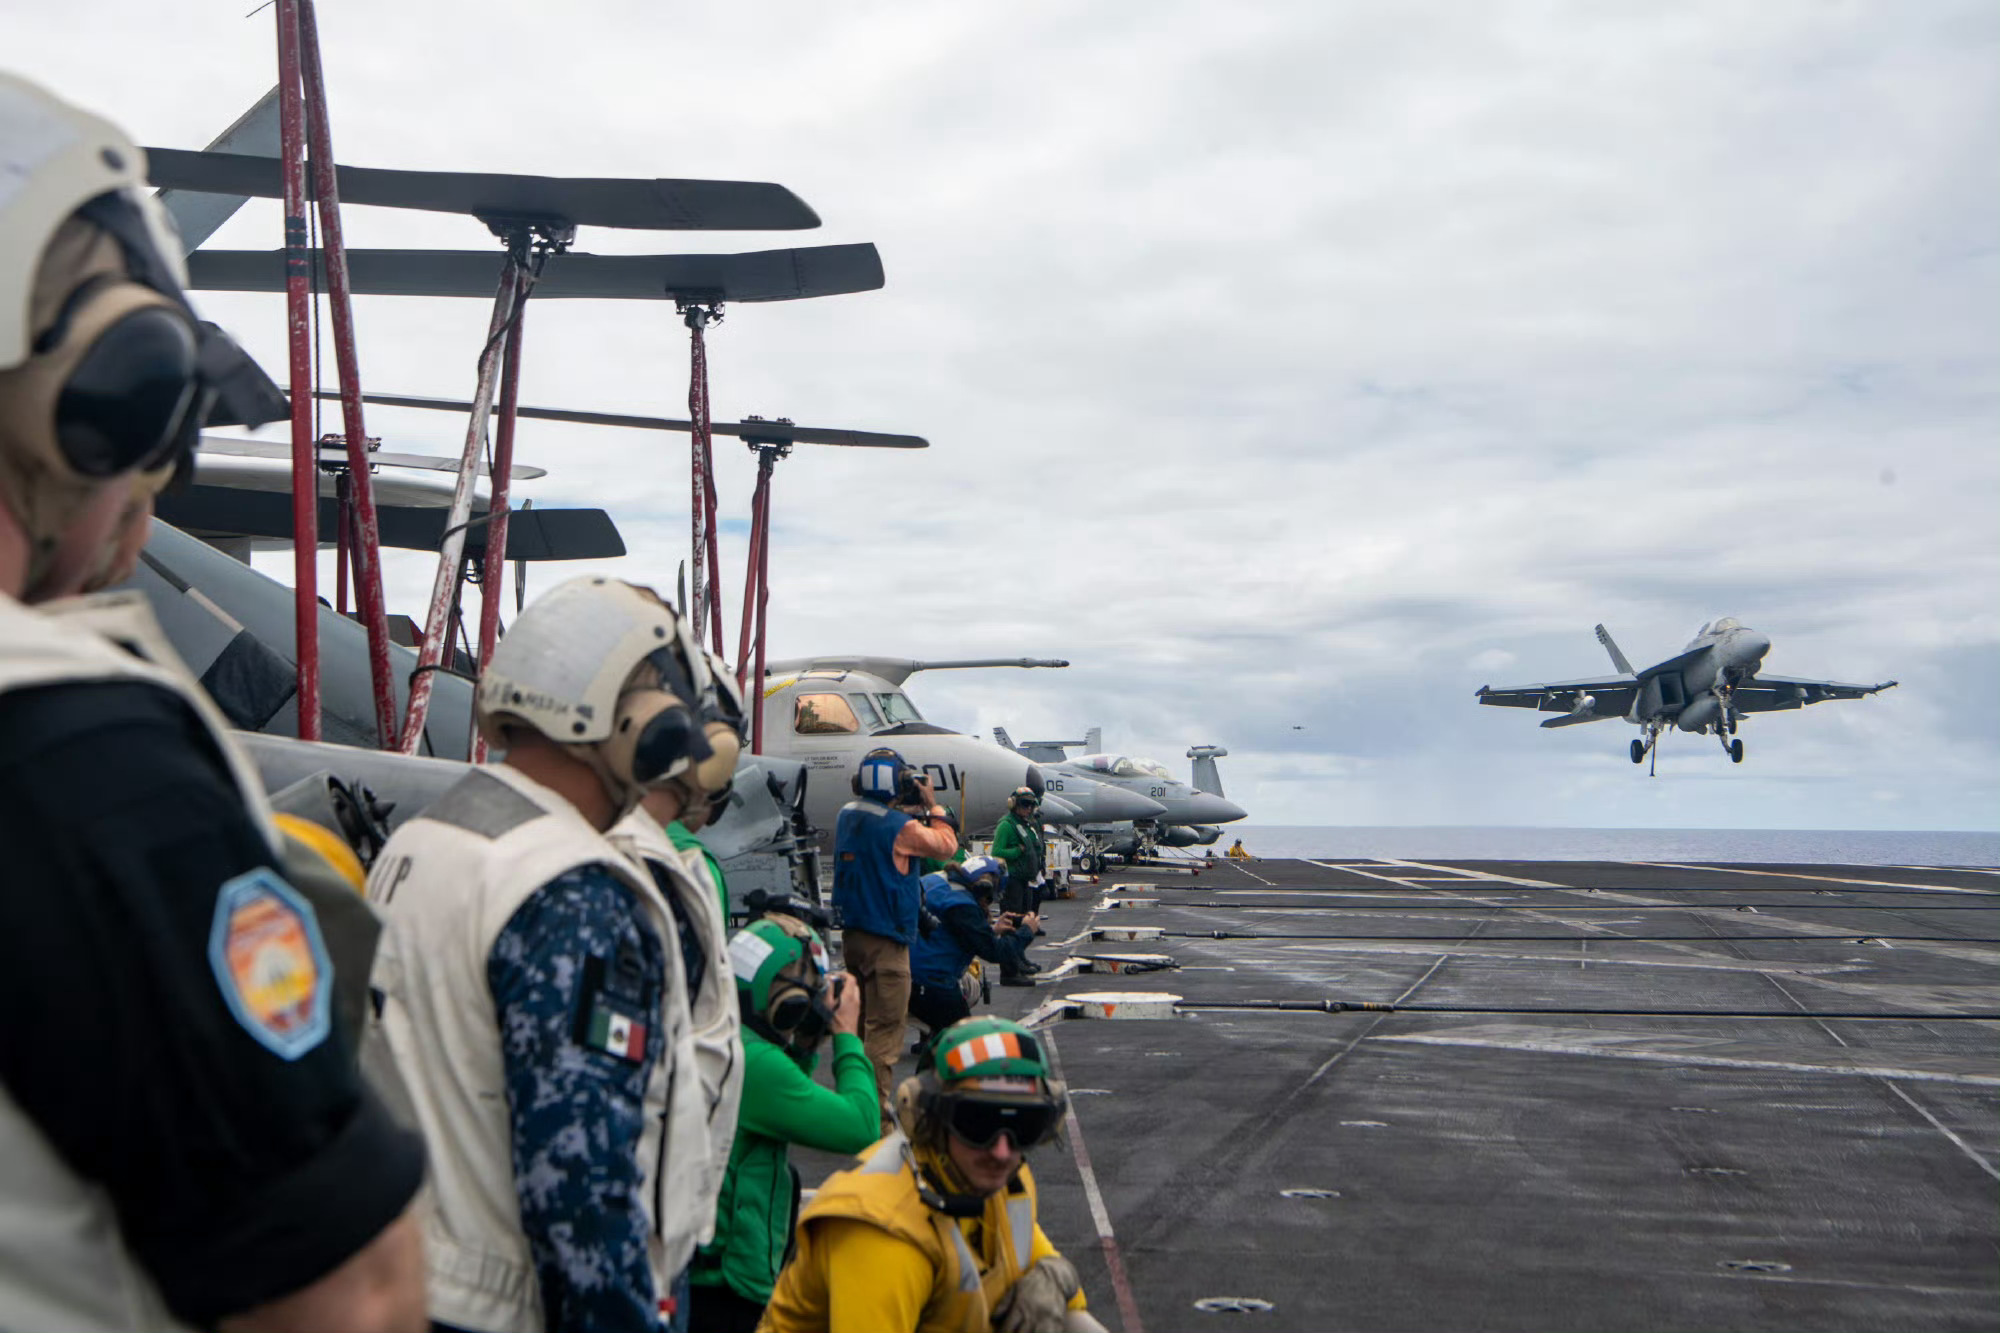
[(1770, 694), (1612, 695)]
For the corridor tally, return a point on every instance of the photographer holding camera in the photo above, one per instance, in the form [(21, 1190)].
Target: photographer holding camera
[(789, 1004), (878, 843)]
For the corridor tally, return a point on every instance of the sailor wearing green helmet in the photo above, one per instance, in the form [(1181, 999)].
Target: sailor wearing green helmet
[(788, 1005), (935, 1230)]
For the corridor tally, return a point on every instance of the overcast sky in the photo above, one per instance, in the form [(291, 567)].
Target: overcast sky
[(1293, 369)]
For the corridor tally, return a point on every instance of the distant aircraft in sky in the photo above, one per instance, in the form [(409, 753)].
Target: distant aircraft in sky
[(1713, 682)]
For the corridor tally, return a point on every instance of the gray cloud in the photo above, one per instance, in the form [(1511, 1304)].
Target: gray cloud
[(1281, 364)]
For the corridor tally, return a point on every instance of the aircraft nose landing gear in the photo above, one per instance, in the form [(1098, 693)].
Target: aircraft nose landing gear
[(1736, 752), (1638, 752)]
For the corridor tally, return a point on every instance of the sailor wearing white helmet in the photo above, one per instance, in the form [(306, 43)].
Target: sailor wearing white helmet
[(531, 982), (184, 1139)]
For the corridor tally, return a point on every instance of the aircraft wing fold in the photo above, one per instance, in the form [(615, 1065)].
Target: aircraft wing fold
[(1770, 694), (1612, 695)]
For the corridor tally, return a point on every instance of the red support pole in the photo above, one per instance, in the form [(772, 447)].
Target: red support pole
[(367, 538), (763, 606), (495, 568), (343, 501), (298, 328), (745, 625), (444, 587), (704, 591)]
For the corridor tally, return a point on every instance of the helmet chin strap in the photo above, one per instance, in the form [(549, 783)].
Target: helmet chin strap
[(625, 795), (937, 1195)]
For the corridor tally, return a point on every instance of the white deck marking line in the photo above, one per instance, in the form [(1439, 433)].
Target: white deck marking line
[(1100, 1216), (1479, 875), (1695, 1057), (1939, 1126), (1823, 879), (1357, 870), (1254, 875), (1717, 964)]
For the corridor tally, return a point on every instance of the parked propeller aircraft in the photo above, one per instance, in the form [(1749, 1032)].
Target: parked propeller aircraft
[(827, 712), (1715, 680)]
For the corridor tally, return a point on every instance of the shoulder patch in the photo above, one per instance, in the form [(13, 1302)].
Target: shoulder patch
[(271, 963), (481, 803)]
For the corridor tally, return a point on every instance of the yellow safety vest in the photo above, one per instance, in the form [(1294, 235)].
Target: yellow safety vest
[(882, 1192)]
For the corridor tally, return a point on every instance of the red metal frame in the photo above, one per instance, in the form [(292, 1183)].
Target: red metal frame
[(343, 538), (704, 594), (495, 567), (451, 551), (298, 328), (367, 545), (757, 594)]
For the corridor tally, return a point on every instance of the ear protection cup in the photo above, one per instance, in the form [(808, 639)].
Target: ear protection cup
[(654, 737), (884, 775)]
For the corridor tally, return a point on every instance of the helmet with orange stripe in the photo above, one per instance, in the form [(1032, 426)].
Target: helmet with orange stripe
[(984, 1077)]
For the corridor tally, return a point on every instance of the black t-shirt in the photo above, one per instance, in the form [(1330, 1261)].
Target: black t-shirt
[(239, 1173)]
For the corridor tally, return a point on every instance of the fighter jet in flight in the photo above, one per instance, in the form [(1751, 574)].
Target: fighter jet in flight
[(1715, 680)]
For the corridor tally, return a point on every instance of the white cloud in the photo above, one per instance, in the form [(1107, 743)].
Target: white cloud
[(1298, 368)]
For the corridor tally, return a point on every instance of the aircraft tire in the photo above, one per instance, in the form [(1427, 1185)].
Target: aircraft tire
[(1736, 752), (1638, 752)]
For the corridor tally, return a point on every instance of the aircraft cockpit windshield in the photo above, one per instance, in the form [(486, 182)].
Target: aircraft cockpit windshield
[(1120, 766), (1724, 625), (897, 708)]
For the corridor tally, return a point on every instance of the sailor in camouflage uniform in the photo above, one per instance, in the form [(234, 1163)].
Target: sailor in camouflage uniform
[(531, 979)]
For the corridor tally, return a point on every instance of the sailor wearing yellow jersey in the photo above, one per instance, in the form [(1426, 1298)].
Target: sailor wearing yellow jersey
[(935, 1230)]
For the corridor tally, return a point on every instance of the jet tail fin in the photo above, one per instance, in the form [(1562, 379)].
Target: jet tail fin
[(1206, 776), (1093, 741), (1611, 646), (1006, 741)]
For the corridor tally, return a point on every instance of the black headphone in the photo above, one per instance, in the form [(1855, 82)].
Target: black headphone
[(138, 395)]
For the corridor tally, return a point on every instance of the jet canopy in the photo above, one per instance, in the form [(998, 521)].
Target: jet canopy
[(1119, 766)]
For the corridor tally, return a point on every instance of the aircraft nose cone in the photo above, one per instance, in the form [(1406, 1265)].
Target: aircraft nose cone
[(1115, 805), (1208, 808), (1058, 811), (1755, 645)]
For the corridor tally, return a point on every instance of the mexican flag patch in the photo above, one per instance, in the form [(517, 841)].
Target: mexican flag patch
[(615, 1034)]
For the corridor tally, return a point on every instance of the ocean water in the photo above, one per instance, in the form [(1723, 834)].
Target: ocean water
[(1799, 846)]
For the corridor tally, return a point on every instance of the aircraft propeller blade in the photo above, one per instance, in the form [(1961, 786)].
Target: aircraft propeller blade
[(760, 275), (760, 432), (578, 201), (235, 448)]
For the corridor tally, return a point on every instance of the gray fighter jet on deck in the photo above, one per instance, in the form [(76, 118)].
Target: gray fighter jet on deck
[(1714, 681)]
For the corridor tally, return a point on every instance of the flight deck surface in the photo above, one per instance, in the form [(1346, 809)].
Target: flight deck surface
[(1593, 1169)]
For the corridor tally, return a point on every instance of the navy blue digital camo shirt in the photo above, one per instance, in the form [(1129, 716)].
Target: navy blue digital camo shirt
[(572, 974)]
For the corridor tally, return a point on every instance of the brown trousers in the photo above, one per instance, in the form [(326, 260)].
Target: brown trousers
[(881, 966)]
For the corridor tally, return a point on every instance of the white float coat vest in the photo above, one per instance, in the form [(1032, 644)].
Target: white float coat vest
[(63, 1264), (717, 1047), (448, 882)]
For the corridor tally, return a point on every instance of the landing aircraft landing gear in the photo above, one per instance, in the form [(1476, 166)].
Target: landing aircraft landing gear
[(1648, 746), (1736, 752)]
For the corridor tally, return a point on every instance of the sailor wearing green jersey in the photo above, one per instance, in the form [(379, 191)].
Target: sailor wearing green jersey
[(789, 1004)]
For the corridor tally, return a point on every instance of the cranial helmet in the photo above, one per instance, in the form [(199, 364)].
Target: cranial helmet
[(726, 723), (607, 670), (105, 370), (1024, 796), (780, 964), (884, 775), (977, 872), (983, 1077)]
